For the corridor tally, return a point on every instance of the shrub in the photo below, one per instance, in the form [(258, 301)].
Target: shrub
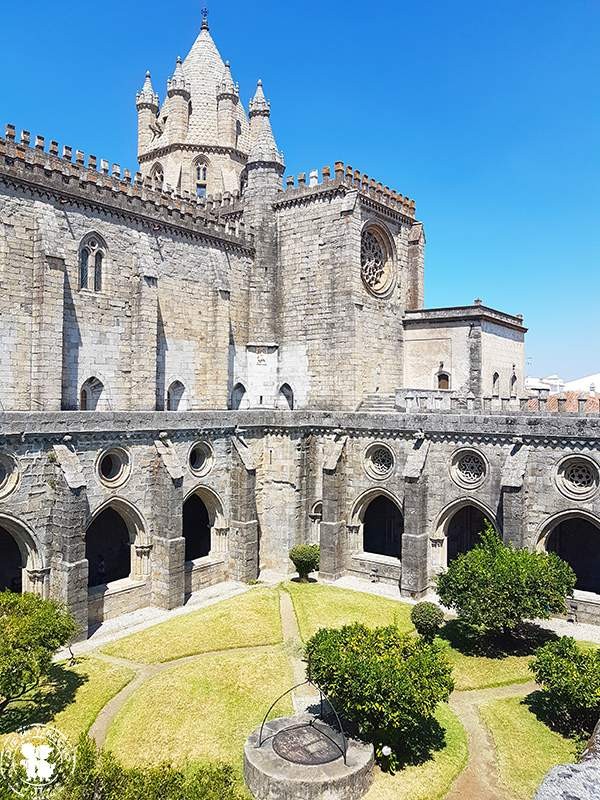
[(99, 776), (495, 587), (427, 619), (31, 631), (570, 678), (305, 558), (385, 683)]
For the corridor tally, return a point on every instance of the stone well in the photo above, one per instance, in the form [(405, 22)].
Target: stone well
[(300, 760)]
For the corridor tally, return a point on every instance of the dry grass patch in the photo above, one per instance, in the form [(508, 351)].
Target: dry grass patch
[(319, 606), (201, 710), (248, 620)]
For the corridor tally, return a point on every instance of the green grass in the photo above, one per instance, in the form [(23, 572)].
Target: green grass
[(248, 620), (319, 606), (71, 699), (481, 672), (202, 710), (526, 748), (432, 780)]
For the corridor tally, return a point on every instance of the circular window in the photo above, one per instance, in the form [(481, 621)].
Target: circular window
[(9, 474), (376, 263), (113, 466), (577, 477), (200, 458), (379, 461), (468, 468)]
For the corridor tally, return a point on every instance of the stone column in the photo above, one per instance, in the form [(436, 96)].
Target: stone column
[(415, 542), (243, 529), (334, 536), (69, 566), (168, 544)]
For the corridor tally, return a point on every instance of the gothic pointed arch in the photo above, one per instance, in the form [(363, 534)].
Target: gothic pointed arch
[(93, 255), (574, 535), (204, 527), (379, 522), (117, 543), (22, 562)]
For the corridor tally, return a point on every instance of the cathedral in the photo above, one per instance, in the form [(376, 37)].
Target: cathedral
[(208, 361)]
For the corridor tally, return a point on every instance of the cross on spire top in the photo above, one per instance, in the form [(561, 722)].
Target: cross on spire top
[(205, 19)]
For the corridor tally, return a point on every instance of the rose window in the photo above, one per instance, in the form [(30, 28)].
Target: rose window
[(379, 461), (376, 265), (468, 468), (471, 467), (578, 477)]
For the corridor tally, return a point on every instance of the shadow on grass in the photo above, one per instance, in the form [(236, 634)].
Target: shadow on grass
[(41, 705), (411, 747), (296, 579), (523, 642), (577, 726)]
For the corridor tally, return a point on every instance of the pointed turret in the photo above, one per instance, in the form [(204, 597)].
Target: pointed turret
[(147, 104), (262, 142), (177, 84), (227, 109)]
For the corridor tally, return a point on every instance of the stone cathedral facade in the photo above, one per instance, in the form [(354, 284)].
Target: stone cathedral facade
[(206, 362)]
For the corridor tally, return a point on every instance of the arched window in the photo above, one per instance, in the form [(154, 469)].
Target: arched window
[(513, 385), (286, 397), (108, 548), (237, 395), (90, 394), (92, 253), (175, 394), (157, 176), (201, 179), (443, 380), (495, 385), (383, 526)]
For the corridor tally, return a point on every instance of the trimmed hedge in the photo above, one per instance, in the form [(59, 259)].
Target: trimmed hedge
[(305, 558), (427, 619)]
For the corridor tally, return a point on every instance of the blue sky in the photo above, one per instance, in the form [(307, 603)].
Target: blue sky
[(486, 113)]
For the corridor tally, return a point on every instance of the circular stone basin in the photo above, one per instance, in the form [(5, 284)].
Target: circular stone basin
[(301, 759)]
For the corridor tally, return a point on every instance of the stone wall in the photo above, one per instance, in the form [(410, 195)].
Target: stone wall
[(263, 476)]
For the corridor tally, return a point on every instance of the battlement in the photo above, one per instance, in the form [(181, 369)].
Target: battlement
[(435, 401), (345, 175), (30, 163)]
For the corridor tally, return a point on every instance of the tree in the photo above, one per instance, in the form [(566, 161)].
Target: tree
[(570, 678), (31, 631), (495, 587), (385, 683), (305, 558)]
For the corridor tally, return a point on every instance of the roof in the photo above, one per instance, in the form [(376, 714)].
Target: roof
[(592, 402)]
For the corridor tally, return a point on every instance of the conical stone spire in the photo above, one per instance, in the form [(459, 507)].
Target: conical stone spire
[(227, 85), (263, 146), (147, 96), (178, 84)]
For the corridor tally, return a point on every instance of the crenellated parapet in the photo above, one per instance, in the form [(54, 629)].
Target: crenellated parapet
[(345, 176), (74, 177)]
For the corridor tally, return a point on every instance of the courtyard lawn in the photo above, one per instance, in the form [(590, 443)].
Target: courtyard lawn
[(201, 710), (482, 672), (432, 780), (320, 606), (526, 748), (72, 698), (248, 620)]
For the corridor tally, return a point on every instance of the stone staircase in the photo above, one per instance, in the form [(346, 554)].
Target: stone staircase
[(378, 403)]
